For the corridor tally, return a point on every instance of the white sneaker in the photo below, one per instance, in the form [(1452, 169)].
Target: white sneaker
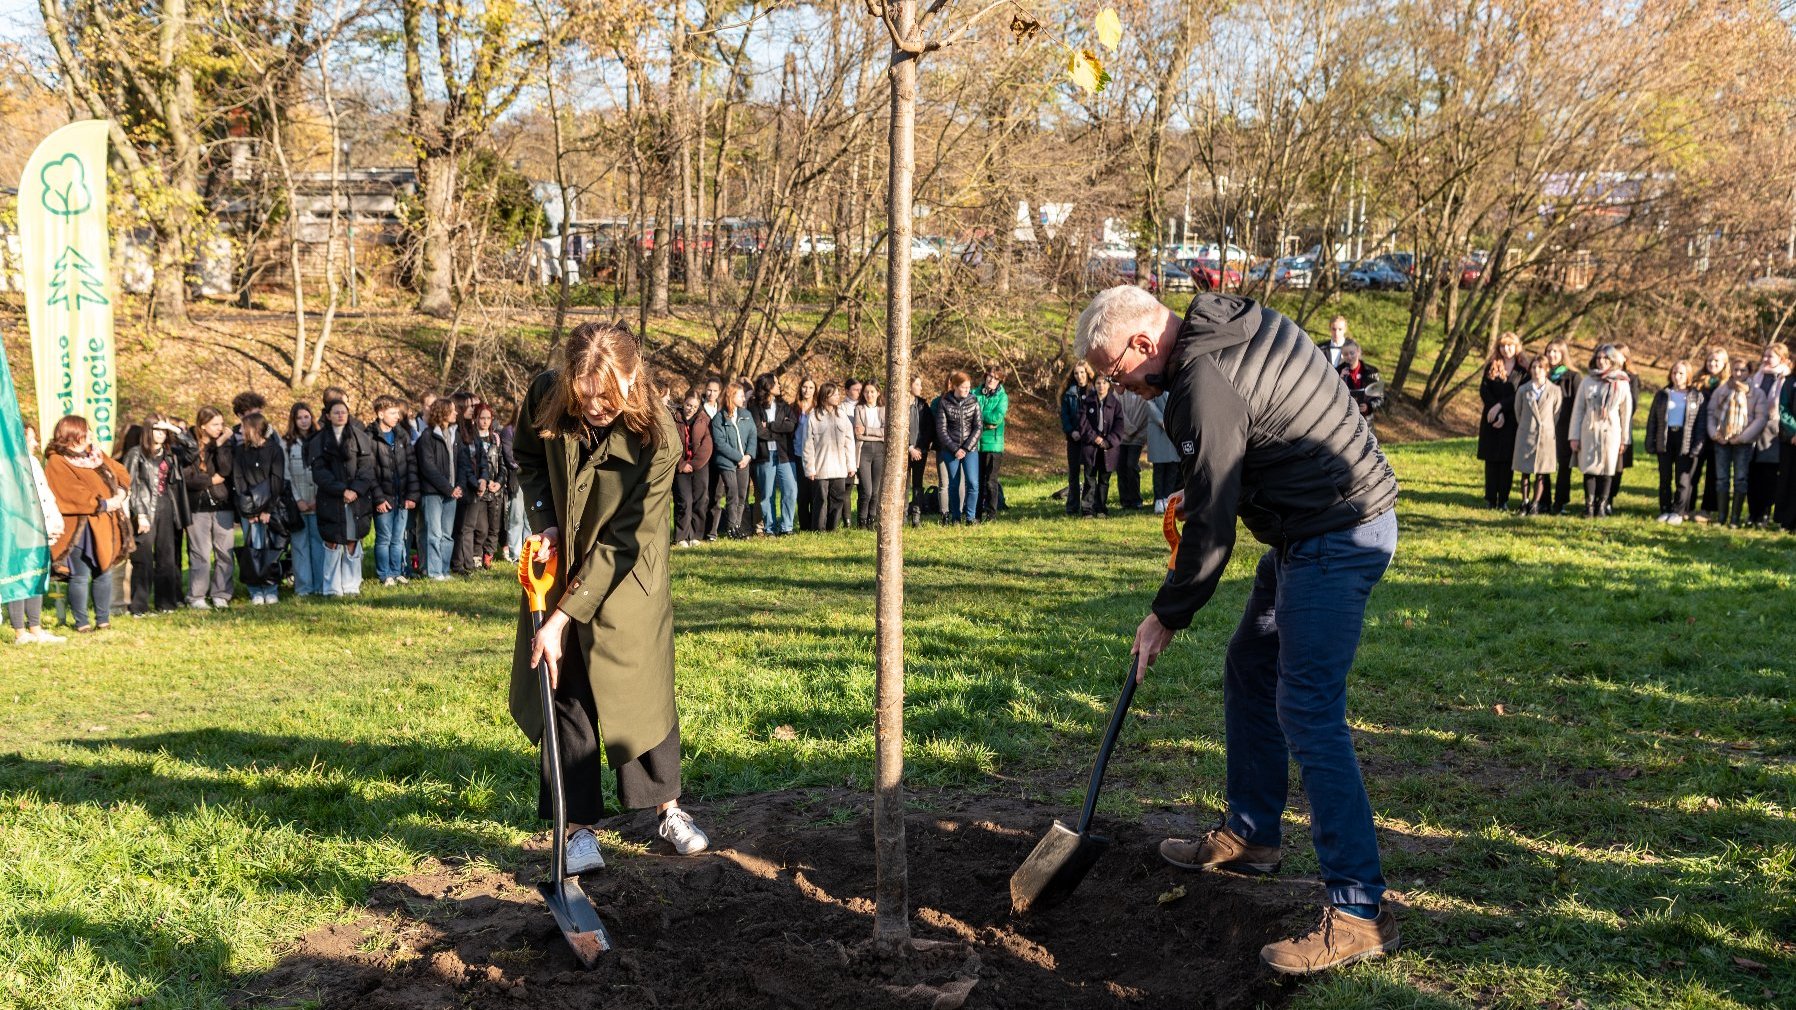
[(678, 829), (43, 637), (221, 604), (199, 604), (402, 580), (389, 581), (583, 854), (1674, 519)]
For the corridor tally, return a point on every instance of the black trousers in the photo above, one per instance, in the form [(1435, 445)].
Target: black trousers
[(1166, 480), (643, 780), (1128, 476), (713, 510), (1676, 487), (734, 483), (157, 563), (1786, 486), (1761, 490), (689, 504), (1075, 487), (1562, 483), (1705, 476), (1498, 479), (988, 484), (1095, 500), (832, 502), (918, 467), (810, 501), (1536, 493)]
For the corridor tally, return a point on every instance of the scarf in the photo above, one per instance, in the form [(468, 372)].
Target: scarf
[(1737, 413), (1613, 381), (89, 460)]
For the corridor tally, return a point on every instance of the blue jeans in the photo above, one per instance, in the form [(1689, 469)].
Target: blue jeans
[(439, 533), (767, 475), (1733, 463), (516, 529), (1285, 695), (963, 480), (308, 558), (389, 543), (85, 583)]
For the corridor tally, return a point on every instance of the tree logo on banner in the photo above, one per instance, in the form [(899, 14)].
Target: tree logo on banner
[(74, 282), (65, 188)]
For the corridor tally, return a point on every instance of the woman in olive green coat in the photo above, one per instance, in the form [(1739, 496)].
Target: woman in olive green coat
[(596, 458)]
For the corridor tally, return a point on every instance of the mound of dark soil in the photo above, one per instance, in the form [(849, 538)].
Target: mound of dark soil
[(773, 917)]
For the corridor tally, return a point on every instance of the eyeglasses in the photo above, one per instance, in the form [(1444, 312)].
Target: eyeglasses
[(1116, 370)]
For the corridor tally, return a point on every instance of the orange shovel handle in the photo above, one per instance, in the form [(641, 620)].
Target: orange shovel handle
[(1169, 525), (536, 583)]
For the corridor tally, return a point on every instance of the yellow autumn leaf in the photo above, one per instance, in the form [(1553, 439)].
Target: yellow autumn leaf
[(1086, 72), (1109, 28)]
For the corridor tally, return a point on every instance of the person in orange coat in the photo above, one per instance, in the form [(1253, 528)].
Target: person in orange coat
[(89, 487)]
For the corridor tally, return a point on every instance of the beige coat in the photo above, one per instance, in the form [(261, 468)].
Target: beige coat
[(1536, 438), (829, 449), (1599, 423)]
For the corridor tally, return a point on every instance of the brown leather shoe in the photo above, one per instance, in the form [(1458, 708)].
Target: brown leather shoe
[(1339, 939), (1221, 849)]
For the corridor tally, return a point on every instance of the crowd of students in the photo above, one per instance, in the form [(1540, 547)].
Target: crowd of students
[(261, 505), (265, 506), (1724, 435), (755, 462)]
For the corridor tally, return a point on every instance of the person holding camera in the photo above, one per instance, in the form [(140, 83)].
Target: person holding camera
[(157, 463)]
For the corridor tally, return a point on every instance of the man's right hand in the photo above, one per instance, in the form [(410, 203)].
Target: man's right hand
[(1151, 639), (548, 541)]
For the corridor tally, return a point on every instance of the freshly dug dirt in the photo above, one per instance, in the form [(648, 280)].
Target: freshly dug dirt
[(776, 914)]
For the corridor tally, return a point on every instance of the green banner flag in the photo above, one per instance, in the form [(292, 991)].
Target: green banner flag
[(24, 549), (68, 278)]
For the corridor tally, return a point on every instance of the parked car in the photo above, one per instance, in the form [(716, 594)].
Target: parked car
[(815, 245), (1208, 274), (1374, 275), (1287, 272), (1237, 256), (924, 249), (1402, 262), (1176, 278), (1471, 272), (1113, 251)]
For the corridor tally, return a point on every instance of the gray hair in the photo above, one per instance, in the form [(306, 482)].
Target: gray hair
[(1113, 312)]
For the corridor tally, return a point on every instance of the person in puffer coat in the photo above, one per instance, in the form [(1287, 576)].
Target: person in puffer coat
[(259, 482), (1072, 405), (1268, 435), (1673, 436), (1101, 427), (396, 490), (957, 425), (342, 460)]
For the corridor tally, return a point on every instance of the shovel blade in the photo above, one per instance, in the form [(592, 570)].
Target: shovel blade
[(1060, 860), (579, 921)]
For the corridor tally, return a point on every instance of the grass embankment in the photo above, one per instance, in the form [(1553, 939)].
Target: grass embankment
[(1579, 738)]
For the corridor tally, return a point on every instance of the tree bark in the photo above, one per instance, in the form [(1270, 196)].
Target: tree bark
[(436, 265), (891, 915)]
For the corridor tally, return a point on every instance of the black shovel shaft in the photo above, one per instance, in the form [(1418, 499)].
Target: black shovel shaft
[(552, 762), (1110, 735)]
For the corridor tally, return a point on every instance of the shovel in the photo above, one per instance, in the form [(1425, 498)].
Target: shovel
[(1064, 855), (573, 911)]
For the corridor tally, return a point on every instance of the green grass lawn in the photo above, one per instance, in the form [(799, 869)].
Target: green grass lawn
[(1579, 738)]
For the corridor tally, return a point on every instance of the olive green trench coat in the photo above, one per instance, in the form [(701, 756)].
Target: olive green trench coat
[(613, 513)]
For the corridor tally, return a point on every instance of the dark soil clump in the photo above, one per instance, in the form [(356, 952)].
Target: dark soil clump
[(779, 915)]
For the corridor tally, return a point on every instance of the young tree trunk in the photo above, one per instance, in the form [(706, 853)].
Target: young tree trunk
[(891, 915), (172, 237), (332, 278)]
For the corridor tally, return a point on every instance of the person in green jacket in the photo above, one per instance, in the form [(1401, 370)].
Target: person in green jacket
[(596, 455), (994, 405)]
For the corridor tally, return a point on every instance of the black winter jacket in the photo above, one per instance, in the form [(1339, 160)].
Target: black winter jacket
[(202, 494), (395, 469), (778, 431), (249, 468), (1264, 430), (1100, 420), (957, 424), (1694, 439), (435, 460), (922, 425), (1494, 442), (339, 465)]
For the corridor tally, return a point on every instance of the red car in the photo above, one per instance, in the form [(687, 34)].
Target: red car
[(1209, 275)]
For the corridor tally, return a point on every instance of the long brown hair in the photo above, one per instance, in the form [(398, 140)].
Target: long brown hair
[(604, 351), (69, 430), (205, 416), (293, 432)]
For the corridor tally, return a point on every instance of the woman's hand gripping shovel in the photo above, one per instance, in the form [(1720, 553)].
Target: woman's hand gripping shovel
[(1064, 855), (573, 911)]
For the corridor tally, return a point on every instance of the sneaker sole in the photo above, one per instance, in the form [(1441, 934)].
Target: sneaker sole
[(1243, 868), (1365, 955), (575, 871)]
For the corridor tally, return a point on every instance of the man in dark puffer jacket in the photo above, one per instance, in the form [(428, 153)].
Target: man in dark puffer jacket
[(1267, 431)]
